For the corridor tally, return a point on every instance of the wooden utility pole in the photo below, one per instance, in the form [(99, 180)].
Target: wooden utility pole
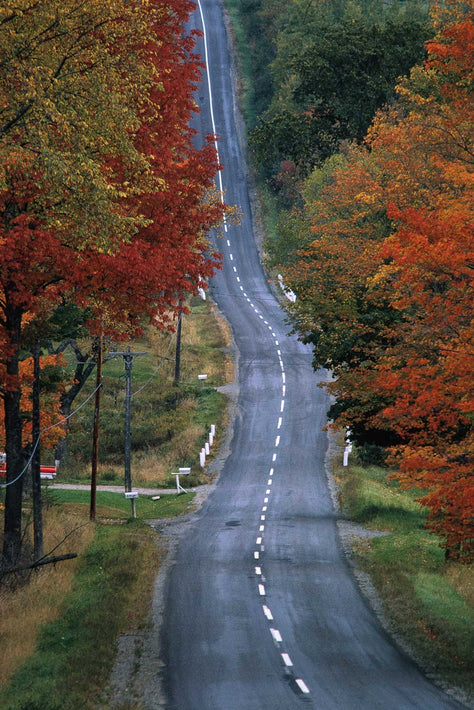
[(95, 433), (128, 360), (177, 362), (127, 437)]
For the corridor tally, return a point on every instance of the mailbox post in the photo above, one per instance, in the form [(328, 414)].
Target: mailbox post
[(181, 472), (132, 496)]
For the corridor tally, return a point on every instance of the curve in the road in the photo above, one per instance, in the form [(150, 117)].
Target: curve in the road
[(262, 611), (259, 542)]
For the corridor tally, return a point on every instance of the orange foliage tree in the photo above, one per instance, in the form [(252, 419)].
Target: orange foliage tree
[(406, 262), (104, 200), (50, 402)]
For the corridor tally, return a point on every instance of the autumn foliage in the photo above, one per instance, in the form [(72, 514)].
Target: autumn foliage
[(385, 283), (105, 201)]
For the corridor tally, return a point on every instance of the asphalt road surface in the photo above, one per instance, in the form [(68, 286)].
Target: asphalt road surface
[(262, 610)]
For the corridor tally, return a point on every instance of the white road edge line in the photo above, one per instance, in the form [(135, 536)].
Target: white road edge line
[(211, 106)]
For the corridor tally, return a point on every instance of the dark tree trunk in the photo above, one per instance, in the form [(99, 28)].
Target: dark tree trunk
[(85, 364), (12, 540)]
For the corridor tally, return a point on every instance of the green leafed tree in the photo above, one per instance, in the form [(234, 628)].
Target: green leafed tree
[(330, 80)]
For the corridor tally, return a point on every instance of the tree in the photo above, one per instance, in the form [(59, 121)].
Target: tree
[(103, 200), (386, 289), (334, 311), (332, 79), (351, 69)]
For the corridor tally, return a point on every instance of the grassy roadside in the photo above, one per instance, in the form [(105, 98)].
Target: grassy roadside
[(429, 602), (253, 52), (114, 506), (169, 424), (75, 651), (58, 630)]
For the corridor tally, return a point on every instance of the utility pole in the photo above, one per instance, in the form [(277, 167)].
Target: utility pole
[(38, 550), (128, 360), (95, 432), (177, 362)]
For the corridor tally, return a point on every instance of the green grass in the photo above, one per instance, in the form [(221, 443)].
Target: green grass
[(115, 505), (169, 424), (428, 601), (244, 56), (379, 503), (75, 652)]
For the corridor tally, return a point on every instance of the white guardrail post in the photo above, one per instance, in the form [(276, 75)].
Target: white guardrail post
[(348, 448)]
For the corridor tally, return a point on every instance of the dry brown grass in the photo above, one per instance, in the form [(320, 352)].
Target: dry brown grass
[(154, 468), (26, 608), (149, 469), (187, 443), (205, 335), (461, 578)]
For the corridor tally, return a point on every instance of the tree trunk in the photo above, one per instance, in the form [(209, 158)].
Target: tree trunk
[(12, 540), (85, 364)]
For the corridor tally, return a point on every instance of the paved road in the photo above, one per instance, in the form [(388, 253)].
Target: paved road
[(262, 610)]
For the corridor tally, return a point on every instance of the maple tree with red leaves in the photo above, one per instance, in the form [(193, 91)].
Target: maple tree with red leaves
[(104, 199), (386, 286)]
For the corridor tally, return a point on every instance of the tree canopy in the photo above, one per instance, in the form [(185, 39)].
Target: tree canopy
[(104, 200), (385, 282), (334, 65)]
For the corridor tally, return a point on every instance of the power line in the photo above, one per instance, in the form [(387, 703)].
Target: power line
[(160, 364), (51, 426), (71, 414)]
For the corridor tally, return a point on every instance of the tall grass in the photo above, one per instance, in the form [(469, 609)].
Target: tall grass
[(26, 608), (75, 651), (169, 423), (427, 600)]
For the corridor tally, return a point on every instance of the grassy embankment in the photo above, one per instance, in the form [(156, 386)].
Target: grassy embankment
[(253, 55), (58, 631), (429, 602), (169, 424)]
